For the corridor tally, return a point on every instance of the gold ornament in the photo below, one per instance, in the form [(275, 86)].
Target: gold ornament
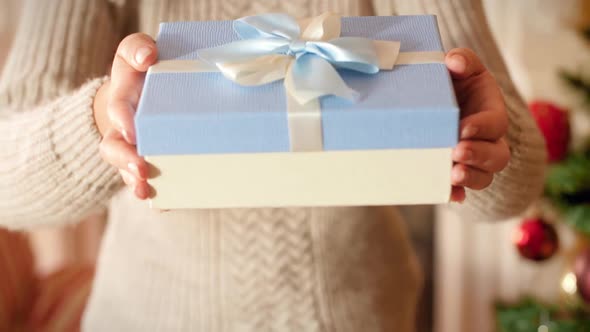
[(570, 294), (569, 290)]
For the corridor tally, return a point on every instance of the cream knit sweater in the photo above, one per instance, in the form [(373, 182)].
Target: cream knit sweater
[(304, 269)]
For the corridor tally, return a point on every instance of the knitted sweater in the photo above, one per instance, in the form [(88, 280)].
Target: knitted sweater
[(298, 269)]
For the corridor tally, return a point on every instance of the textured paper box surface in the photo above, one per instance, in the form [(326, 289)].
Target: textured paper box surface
[(212, 140), (409, 107)]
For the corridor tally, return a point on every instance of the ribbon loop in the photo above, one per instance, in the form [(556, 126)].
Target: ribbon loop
[(352, 53), (326, 81), (243, 50), (267, 26), (273, 34), (321, 28), (263, 70)]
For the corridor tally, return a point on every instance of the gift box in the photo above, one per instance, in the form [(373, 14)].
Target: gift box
[(375, 128)]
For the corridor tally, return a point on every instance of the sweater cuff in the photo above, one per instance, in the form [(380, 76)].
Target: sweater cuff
[(76, 140)]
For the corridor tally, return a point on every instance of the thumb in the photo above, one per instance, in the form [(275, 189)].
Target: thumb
[(135, 54), (463, 63), (138, 51)]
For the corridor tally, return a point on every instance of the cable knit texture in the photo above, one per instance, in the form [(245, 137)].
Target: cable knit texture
[(299, 269)]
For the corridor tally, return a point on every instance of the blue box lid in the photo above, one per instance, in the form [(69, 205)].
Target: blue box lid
[(410, 107)]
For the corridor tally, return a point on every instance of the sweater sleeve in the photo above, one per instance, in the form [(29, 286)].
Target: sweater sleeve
[(463, 24), (50, 168)]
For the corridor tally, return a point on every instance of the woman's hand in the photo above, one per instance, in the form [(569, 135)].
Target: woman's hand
[(115, 106), (482, 150)]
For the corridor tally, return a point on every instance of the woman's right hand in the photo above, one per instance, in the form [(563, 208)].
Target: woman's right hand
[(115, 106)]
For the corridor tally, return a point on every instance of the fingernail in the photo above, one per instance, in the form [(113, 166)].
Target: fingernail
[(468, 132), (125, 135), (459, 175), (128, 136), (142, 192), (128, 178), (458, 63), (142, 54), (467, 155), (462, 200), (463, 155), (134, 169)]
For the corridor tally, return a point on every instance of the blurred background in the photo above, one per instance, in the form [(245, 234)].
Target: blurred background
[(527, 274), (530, 274)]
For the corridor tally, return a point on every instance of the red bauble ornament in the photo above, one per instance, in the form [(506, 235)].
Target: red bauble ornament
[(536, 240), (553, 122), (582, 272)]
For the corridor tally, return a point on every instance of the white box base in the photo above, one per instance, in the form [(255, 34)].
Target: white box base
[(334, 178)]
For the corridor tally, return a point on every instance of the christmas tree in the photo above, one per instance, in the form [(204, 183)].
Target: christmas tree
[(567, 191)]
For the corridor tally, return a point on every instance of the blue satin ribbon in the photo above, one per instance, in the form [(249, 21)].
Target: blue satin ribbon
[(315, 62)]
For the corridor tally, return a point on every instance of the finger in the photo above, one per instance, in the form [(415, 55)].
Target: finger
[(463, 63), (119, 153), (488, 125), (129, 179), (137, 51), (121, 113), (140, 188), (133, 169), (458, 194), (134, 56), (462, 175), (485, 156), (479, 94), (476, 89)]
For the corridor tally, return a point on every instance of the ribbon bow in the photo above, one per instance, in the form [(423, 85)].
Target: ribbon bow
[(305, 54)]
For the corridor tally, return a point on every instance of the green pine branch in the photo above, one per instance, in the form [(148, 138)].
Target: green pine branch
[(568, 186), (577, 82), (569, 177), (528, 315), (579, 218)]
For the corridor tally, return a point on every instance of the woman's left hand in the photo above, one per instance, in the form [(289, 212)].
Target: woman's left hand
[(482, 150)]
